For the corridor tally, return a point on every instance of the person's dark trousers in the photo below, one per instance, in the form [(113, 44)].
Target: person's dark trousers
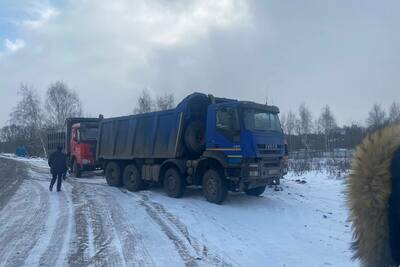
[(58, 177)]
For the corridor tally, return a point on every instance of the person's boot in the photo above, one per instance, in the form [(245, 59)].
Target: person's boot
[(50, 188)]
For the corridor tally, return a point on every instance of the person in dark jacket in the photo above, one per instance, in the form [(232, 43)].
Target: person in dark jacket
[(58, 167), (373, 195)]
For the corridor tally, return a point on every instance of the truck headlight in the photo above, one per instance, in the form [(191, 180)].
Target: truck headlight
[(274, 172), (253, 173), (253, 169)]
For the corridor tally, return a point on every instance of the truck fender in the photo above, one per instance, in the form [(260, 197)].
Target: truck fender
[(217, 155), (213, 158), (178, 163)]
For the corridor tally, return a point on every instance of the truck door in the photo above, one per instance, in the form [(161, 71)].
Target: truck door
[(223, 128)]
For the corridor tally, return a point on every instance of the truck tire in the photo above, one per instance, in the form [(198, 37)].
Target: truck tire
[(76, 169), (195, 137), (132, 178), (255, 191), (214, 187), (174, 185), (113, 174)]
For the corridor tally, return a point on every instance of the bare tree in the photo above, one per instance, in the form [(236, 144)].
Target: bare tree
[(394, 113), (282, 119), (166, 101), (327, 123), (28, 114), (290, 123), (376, 118), (61, 103), (144, 103), (305, 123)]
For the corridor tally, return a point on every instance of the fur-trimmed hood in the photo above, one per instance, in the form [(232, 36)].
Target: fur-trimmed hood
[(369, 188)]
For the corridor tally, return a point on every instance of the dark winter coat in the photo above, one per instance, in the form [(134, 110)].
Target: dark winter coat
[(58, 163), (373, 195)]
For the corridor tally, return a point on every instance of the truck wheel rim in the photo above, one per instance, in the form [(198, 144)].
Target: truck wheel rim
[(211, 186), (132, 178), (171, 183)]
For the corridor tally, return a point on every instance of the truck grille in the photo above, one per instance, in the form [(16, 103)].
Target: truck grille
[(269, 149), (270, 167), (270, 163)]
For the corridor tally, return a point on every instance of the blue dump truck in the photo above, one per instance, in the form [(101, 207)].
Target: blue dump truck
[(218, 143)]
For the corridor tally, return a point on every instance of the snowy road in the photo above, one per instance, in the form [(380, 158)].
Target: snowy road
[(92, 224)]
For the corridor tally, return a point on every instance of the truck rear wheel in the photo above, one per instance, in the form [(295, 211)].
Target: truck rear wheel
[(132, 178), (174, 185), (76, 169), (214, 187), (255, 191), (195, 137), (113, 174)]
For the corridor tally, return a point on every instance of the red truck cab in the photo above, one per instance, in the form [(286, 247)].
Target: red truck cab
[(81, 145), (79, 141)]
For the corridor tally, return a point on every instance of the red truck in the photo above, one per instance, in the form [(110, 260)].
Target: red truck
[(79, 141)]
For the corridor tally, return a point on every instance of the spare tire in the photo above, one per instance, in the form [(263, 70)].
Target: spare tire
[(195, 137)]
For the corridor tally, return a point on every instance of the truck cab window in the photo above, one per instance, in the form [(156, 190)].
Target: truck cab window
[(260, 120), (88, 134)]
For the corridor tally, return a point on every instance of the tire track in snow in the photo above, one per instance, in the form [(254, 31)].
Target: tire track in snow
[(79, 256), (59, 234), (133, 248), (23, 217), (11, 178), (189, 248), (97, 242), (202, 250), (54, 235)]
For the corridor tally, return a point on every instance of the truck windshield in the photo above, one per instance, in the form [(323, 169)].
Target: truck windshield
[(89, 133), (261, 120)]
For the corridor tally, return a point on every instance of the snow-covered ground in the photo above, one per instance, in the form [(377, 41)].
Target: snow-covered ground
[(90, 223)]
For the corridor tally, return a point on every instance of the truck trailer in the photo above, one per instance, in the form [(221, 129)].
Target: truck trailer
[(218, 143), (79, 141)]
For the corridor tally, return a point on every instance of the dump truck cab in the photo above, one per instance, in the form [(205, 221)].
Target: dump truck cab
[(81, 144), (246, 138)]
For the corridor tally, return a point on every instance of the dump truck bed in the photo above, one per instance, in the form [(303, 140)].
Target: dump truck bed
[(150, 135)]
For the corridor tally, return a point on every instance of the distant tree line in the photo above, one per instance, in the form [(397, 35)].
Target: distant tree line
[(303, 132), (32, 118)]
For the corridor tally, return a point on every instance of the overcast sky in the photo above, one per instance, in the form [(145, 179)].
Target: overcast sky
[(341, 53)]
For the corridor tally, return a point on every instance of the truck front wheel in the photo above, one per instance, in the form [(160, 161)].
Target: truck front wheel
[(76, 169), (214, 187), (174, 185), (255, 191), (132, 179), (113, 174)]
